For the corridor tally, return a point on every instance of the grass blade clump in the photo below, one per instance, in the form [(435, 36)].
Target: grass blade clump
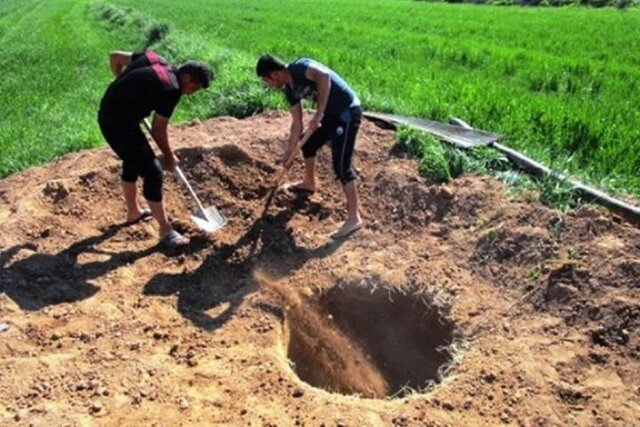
[(433, 163)]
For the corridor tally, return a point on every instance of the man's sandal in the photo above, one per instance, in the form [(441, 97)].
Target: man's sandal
[(346, 230), (173, 239), (297, 190), (144, 215)]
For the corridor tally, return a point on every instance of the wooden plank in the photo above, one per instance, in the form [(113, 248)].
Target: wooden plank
[(459, 136), (626, 210)]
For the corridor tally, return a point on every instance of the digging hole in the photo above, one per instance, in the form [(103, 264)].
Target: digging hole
[(373, 341)]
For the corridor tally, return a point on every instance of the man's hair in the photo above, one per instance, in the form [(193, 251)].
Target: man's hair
[(268, 64), (199, 72)]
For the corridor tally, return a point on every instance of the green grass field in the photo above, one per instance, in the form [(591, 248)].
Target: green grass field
[(561, 84)]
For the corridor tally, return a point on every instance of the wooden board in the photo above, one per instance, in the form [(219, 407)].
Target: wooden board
[(457, 135)]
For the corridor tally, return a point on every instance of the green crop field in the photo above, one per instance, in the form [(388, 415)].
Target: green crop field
[(562, 85)]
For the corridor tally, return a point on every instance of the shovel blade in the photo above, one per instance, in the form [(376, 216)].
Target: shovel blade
[(214, 220)]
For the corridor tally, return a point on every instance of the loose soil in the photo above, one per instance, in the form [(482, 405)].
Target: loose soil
[(458, 305)]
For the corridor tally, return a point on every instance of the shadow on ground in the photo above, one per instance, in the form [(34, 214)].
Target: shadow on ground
[(40, 280), (225, 278)]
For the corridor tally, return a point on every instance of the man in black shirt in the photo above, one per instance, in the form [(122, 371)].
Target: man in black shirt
[(145, 82)]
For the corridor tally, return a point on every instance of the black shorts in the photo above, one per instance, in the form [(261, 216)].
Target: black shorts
[(342, 132), (138, 159)]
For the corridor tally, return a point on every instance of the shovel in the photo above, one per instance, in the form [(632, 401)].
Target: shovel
[(282, 173), (209, 219)]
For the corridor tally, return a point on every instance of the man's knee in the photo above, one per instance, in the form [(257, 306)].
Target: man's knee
[(343, 169), (314, 143), (129, 173), (345, 175), (308, 152), (152, 175)]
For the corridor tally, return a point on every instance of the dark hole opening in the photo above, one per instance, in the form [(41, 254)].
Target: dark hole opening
[(373, 341)]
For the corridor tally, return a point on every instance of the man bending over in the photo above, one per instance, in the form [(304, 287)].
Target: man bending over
[(145, 82), (337, 119)]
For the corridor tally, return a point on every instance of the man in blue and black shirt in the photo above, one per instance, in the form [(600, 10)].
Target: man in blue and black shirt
[(337, 119)]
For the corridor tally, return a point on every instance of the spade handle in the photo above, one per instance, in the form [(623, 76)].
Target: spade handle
[(184, 181), (195, 198)]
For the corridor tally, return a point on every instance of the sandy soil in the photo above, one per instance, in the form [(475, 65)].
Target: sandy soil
[(512, 313)]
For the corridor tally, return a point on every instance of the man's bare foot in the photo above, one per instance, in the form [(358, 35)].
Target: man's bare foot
[(349, 226)]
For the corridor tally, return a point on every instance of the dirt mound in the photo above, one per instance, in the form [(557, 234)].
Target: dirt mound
[(496, 310)]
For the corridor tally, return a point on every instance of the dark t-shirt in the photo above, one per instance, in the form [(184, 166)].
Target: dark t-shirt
[(138, 91), (341, 96)]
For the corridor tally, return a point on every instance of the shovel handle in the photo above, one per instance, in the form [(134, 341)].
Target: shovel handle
[(195, 198), (282, 173), (147, 124), (284, 170), (183, 179)]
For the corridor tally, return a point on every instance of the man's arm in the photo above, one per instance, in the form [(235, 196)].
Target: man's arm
[(119, 60), (161, 137), (322, 79)]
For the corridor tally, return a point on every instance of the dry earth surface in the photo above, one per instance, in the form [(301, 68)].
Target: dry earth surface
[(458, 305)]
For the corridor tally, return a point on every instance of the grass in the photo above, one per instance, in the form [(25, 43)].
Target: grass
[(559, 83), (434, 164), (49, 52), (440, 162), (235, 91)]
